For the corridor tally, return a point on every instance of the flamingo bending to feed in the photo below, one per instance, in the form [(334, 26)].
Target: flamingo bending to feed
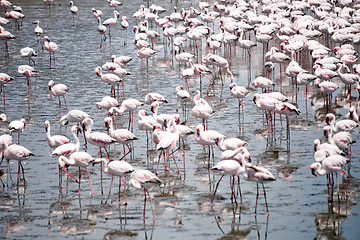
[(58, 90), (80, 160), (55, 140), (116, 168), (140, 179), (287, 109), (122, 136), (107, 102)]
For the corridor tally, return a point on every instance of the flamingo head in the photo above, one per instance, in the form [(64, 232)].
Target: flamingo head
[(232, 85), (47, 124), (327, 130), (314, 167), (3, 117), (329, 118), (98, 71), (107, 122)]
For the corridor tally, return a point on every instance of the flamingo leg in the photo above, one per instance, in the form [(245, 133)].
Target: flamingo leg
[(123, 179), (267, 209), (65, 103), (91, 191), (217, 185), (70, 174)]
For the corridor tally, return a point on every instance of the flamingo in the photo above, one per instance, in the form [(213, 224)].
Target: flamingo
[(121, 60), (6, 35), (128, 105), (347, 125), (4, 78), (207, 137), (16, 16), (116, 168), (58, 90), (55, 140), (263, 83), (168, 141), (329, 165), (232, 168), (17, 126), (122, 136), (112, 21), (146, 122), (259, 175), (108, 78), (326, 146), (183, 96), (107, 102), (76, 116), (97, 13), (219, 62), (102, 30), (27, 71), (265, 103), (80, 160), (140, 179), (229, 143), (73, 9), (18, 153), (38, 31), (327, 88), (68, 148), (51, 47), (352, 115), (99, 139), (153, 96), (287, 109), (202, 108), (29, 53), (200, 70), (341, 139), (240, 93), (146, 53)]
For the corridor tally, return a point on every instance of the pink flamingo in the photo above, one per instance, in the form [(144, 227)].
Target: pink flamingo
[(6, 35), (140, 179), (17, 126), (121, 60), (80, 160), (169, 141), (68, 148), (27, 71), (116, 168), (287, 109), (73, 9), (232, 168), (202, 108), (153, 96), (342, 140), (347, 125), (102, 30), (146, 53), (240, 93), (128, 105), (107, 102), (183, 96), (99, 139), (125, 25), (146, 123), (58, 90), (111, 21), (4, 78), (328, 166), (96, 13), (51, 47), (108, 78), (122, 136), (38, 31), (16, 16), (229, 143), (18, 153), (263, 83), (259, 175), (29, 53), (200, 69), (55, 140), (207, 138)]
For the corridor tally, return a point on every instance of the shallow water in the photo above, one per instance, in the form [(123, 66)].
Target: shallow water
[(298, 202)]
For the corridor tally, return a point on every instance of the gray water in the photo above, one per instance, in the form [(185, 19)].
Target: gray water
[(298, 201)]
